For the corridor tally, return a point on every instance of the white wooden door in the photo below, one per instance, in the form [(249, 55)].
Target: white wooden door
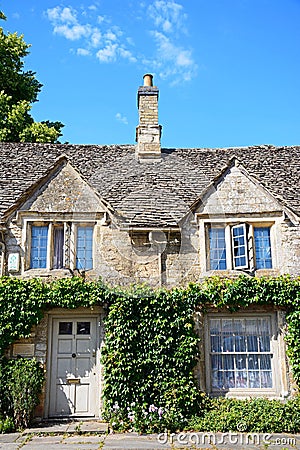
[(73, 386)]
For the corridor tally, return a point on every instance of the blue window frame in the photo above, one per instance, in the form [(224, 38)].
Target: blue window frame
[(84, 248), (217, 248), (39, 244), (262, 241)]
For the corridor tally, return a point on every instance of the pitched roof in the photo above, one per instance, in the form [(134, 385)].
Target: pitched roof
[(149, 194)]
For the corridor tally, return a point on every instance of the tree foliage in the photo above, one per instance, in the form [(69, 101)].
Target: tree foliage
[(18, 90)]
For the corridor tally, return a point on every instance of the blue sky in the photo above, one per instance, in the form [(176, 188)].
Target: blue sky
[(228, 71)]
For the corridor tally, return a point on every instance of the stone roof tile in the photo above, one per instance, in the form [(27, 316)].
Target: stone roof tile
[(149, 194)]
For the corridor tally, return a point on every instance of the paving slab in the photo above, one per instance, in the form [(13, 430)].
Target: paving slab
[(91, 439), (62, 447), (47, 428), (134, 441), (9, 437), (68, 427), (10, 446), (45, 440), (88, 427)]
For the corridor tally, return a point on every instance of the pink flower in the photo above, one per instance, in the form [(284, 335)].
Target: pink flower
[(152, 408)]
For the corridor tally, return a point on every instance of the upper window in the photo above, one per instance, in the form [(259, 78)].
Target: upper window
[(84, 251), (262, 243), (217, 248), (240, 353), (241, 246), (39, 244), (50, 246)]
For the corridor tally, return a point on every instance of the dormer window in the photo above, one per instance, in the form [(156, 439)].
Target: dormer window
[(243, 246), (60, 246)]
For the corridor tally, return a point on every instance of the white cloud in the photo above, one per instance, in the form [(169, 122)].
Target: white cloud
[(108, 53), (121, 118), (65, 23), (104, 40), (98, 36), (100, 19), (74, 32), (174, 61), (110, 36), (53, 13), (126, 54), (68, 15), (59, 14), (83, 52), (167, 14)]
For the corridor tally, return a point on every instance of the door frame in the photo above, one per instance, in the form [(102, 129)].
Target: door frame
[(60, 313)]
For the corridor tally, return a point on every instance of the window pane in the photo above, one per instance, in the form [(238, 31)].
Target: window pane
[(262, 244), (253, 362), (39, 241), (65, 328), (58, 247), (254, 380), (217, 249), (266, 379), (239, 246), (83, 327), (84, 249), (240, 353)]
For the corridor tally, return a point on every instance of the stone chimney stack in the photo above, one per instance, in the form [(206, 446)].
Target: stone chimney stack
[(148, 132)]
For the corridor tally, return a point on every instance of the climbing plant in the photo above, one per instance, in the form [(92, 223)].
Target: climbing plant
[(151, 346), (151, 349)]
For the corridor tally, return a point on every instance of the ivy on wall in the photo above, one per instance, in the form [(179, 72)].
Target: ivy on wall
[(149, 356), (23, 302), (151, 345)]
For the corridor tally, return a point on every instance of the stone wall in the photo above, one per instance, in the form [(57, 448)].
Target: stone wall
[(127, 256)]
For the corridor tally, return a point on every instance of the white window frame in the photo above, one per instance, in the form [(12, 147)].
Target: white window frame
[(246, 255), (229, 225), (276, 364)]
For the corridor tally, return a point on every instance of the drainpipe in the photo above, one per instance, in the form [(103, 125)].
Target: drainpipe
[(2, 253)]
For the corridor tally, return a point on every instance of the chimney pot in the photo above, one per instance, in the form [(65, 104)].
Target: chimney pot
[(148, 79)]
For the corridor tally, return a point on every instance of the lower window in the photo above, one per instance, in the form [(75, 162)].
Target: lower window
[(240, 353)]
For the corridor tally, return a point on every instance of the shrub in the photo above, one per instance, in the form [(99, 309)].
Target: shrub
[(21, 382), (254, 415), (7, 425)]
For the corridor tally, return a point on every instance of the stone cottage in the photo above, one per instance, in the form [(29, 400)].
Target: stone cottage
[(142, 213)]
